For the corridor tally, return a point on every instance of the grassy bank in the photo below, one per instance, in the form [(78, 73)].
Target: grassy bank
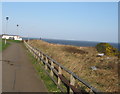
[(80, 60), (42, 74), (16, 41), (3, 45)]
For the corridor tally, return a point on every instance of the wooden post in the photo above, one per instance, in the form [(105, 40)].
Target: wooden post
[(52, 66), (59, 73), (91, 92), (72, 82), (39, 56), (35, 54), (42, 56), (46, 67)]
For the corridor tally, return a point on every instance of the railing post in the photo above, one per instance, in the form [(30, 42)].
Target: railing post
[(59, 73), (52, 66), (72, 82), (46, 67), (35, 54), (91, 91), (42, 56), (39, 56)]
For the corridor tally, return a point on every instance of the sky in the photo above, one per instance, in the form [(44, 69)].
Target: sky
[(88, 21)]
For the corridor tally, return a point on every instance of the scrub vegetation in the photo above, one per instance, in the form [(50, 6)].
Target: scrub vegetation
[(107, 49), (82, 60)]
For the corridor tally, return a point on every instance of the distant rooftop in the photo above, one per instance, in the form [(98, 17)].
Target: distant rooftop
[(9, 35)]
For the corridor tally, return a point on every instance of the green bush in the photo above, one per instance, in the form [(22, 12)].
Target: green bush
[(107, 49)]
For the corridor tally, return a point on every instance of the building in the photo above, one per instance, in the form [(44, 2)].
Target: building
[(14, 37)]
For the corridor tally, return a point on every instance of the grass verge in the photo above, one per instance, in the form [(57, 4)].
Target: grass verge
[(2, 45), (42, 74), (16, 41)]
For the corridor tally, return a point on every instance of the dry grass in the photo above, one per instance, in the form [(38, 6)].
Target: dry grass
[(80, 59)]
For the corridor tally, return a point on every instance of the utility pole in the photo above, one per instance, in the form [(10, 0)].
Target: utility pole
[(7, 18)]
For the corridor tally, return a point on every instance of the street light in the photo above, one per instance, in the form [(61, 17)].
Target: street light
[(7, 18), (17, 27)]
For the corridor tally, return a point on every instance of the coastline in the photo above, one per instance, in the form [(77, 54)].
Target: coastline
[(79, 43)]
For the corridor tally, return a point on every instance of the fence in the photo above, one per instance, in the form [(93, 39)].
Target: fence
[(66, 81)]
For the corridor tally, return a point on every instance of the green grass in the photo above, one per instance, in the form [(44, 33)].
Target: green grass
[(42, 75), (16, 41), (2, 45), (5, 46)]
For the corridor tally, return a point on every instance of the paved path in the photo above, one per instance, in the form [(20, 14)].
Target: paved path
[(18, 72)]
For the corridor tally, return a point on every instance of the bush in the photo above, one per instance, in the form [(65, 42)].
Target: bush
[(107, 49)]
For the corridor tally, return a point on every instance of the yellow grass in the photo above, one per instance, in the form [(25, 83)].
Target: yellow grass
[(80, 59)]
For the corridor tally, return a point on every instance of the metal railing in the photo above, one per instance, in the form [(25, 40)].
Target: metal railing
[(65, 80)]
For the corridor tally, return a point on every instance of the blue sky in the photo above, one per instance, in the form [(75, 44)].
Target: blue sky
[(89, 21)]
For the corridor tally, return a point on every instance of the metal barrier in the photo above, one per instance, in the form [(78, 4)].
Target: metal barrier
[(65, 80)]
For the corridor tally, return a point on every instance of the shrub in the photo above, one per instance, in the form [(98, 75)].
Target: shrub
[(107, 49)]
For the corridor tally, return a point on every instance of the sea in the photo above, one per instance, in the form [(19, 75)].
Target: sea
[(76, 42)]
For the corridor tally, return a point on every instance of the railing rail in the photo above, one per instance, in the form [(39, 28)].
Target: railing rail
[(50, 64)]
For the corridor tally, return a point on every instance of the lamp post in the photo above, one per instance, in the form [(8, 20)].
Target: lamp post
[(17, 28), (7, 18)]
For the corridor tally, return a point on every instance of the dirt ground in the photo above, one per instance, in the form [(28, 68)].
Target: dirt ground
[(18, 74)]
